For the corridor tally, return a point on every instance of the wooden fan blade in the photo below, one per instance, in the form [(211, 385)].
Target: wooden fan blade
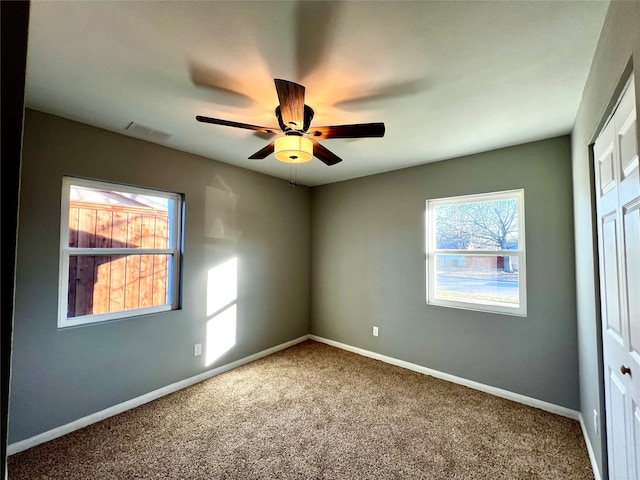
[(263, 153), (324, 154), (359, 130), (229, 123), (291, 98)]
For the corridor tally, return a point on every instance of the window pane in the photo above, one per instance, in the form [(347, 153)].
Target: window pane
[(488, 225), (490, 280), (114, 219), (113, 283)]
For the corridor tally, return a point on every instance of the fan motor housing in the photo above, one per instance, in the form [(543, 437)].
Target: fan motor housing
[(308, 116)]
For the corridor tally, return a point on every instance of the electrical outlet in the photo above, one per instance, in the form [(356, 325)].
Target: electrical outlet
[(595, 422), (375, 331), (197, 349)]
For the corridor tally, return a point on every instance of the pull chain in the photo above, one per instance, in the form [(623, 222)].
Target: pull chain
[(293, 175)]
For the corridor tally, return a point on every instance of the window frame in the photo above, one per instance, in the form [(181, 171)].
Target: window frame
[(520, 252), (65, 252)]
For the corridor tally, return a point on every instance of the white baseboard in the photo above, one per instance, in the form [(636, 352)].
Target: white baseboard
[(592, 456), (142, 399), (498, 392)]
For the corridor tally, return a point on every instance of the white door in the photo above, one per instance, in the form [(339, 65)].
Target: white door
[(618, 213)]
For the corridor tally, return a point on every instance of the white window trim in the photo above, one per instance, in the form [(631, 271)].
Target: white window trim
[(432, 251), (66, 252)]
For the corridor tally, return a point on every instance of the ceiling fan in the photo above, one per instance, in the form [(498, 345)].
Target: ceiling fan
[(299, 143)]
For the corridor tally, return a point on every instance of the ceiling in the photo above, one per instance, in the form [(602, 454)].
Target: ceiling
[(447, 78)]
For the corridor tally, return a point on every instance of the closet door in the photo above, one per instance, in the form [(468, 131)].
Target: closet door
[(618, 215)]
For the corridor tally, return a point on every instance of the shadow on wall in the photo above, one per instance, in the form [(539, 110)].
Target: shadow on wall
[(220, 215)]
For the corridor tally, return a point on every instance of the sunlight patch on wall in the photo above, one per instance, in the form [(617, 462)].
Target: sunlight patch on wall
[(222, 294), (221, 334), (222, 286)]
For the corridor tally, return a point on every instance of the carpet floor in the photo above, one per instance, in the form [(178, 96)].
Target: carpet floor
[(317, 412)]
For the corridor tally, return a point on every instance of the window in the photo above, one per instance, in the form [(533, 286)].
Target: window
[(476, 252), (119, 251)]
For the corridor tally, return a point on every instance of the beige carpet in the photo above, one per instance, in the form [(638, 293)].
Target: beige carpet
[(314, 411)]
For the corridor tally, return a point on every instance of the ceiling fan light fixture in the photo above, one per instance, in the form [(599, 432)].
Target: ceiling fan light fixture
[(293, 149), (298, 144)]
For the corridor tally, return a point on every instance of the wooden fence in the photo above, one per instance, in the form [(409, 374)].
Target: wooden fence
[(100, 284)]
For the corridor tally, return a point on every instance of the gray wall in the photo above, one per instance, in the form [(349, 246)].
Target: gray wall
[(368, 268), (62, 375), (619, 43)]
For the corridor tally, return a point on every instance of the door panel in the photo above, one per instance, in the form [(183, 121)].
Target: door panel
[(611, 293), (631, 222), (628, 148), (625, 120), (605, 161), (615, 414), (636, 432)]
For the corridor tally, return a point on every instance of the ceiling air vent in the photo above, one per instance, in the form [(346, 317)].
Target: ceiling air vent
[(148, 133)]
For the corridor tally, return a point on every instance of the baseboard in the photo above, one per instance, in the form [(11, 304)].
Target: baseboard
[(147, 397), (498, 392), (592, 456)]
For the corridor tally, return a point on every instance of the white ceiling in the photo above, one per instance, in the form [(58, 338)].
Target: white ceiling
[(447, 78)]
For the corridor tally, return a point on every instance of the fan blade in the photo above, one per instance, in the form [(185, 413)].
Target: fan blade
[(324, 154), (229, 123), (359, 130), (291, 98), (263, 153)]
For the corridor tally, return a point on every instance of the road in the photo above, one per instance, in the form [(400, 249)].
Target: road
[(477, 286)]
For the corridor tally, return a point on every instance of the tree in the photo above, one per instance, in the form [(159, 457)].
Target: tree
[(491, 225)]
